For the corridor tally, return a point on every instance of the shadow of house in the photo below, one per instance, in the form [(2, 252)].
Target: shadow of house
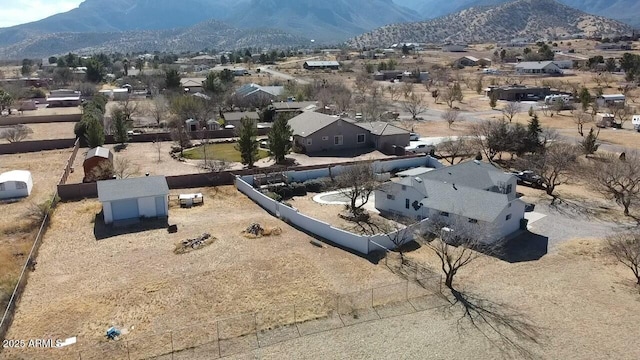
[(103, 231), (524, 247)]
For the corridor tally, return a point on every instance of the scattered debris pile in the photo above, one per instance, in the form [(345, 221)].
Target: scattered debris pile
[(194, 244), (255, 230)]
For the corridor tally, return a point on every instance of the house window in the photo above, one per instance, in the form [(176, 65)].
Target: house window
[(309, 141), (404, 187), (325, 138), (361, 138), (337, 140), (508, 217), (444, 213), (407, 203), (509, 188), (390, 197), (473, 221), (2, 187), (21, 185)]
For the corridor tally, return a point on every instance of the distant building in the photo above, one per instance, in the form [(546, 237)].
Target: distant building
[(321, 65), (610, 100), (538, 67), (519, 93), (454, 47), (234, 119), (64, 98), (192, 85), (294, 106), (254, 92), (614, 46)]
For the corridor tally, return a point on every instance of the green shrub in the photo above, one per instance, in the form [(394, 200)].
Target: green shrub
[(274, 196), (298, 189)]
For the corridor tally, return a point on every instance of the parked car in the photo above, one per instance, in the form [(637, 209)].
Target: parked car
[(528, 177), (420, 149), (358, 116), (414, 136)]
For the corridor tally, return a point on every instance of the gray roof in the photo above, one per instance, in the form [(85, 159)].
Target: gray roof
[(414, 172), (99, 151), (382, 128), (534, 65), (113, 190), (322, 63), (294, 105), (464, 201), (248, 89), (473, 174), (309, 122), (237, 116)]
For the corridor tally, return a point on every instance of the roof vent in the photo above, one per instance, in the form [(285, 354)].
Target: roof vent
[(477, 162), (418, 179)]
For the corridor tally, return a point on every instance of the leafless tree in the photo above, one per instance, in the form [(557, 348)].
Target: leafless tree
[(621, 113), (394, 92), (484, 139), (556, 165), (451, 150), (159, 109), (582, 118), (415, 105), (15, 133), (362, 84), (617, 179), (407, 90), (158, 145), (123, 168), (511, 110), (455, 242), (625, 247), (398, 233), (104, 171), (359, 183), (450, 116)]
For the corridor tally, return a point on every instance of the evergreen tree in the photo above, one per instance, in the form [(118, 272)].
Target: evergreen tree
[(172, 79), (247, 144), (95, 131), (589, 143), (120, 126), (95, 71), (279, 135), (585, 98), (532, 143)]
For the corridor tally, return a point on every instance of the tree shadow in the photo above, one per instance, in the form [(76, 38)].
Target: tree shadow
[(572, 209), (120, 147), (510, 331)]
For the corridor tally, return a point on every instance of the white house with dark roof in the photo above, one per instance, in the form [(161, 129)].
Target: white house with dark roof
[(134, 198), (538, 67), (315, 65), (473, 192)]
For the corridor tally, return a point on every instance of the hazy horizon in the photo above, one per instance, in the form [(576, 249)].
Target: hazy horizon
[(16, 12)]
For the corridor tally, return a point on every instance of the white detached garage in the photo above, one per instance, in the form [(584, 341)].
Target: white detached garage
[(15, 184), (125, 199)]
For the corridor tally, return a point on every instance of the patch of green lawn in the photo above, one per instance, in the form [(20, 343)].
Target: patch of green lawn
[(220, 151)]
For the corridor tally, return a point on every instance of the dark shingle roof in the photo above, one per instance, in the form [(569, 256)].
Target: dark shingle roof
[(473, 174), (112, 190)]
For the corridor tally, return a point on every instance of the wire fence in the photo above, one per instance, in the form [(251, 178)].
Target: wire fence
[(246, 332), (29, 263)]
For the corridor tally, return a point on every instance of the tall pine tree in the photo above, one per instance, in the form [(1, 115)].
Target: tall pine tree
[(247, 145), (279, 143)]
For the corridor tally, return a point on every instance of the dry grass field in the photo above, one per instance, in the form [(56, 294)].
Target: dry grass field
[(17, 230), (136, 282), (49, 131)]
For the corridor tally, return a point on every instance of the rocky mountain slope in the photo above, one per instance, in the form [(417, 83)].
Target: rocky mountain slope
[(520, 18), (209, 34), (627, 11)]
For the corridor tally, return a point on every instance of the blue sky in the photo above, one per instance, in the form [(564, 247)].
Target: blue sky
[(14, 12)]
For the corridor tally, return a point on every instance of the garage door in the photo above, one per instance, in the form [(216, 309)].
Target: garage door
[(125, 209)]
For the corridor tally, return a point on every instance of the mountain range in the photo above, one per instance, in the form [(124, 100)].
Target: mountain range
[(623, 10), (191, 25), (532, 19)]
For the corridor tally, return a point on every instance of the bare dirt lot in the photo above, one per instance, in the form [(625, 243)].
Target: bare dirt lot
[(49, 131), (142, 158), (136, 282)]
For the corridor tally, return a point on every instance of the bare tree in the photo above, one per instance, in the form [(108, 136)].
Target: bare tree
[(407, 90), (104, 171), (450, 116), (511, 110), (621, 113), (415, 105), (398, 233), (455, 242), (451, 150), (359, 183), (123, 168), (582, 118), (159, 109), (617, 179), (394, 93), (555, 165), (625, 247), (15, 133), (362, 84), (158, 145)]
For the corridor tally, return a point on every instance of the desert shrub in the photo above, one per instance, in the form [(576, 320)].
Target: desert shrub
[(319, 185), (274, 196), (298, 189)]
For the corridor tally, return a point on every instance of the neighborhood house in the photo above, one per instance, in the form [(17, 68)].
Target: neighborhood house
[(471, 192), (255, 92), (15, 184), (610, 100), (538, 67), (125, 199)]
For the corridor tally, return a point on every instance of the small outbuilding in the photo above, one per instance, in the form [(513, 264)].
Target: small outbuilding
[(98, 157), (15, 184), (126, 199)]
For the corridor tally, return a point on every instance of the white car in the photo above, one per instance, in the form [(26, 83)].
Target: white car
[(419, 149), (414, 136)]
